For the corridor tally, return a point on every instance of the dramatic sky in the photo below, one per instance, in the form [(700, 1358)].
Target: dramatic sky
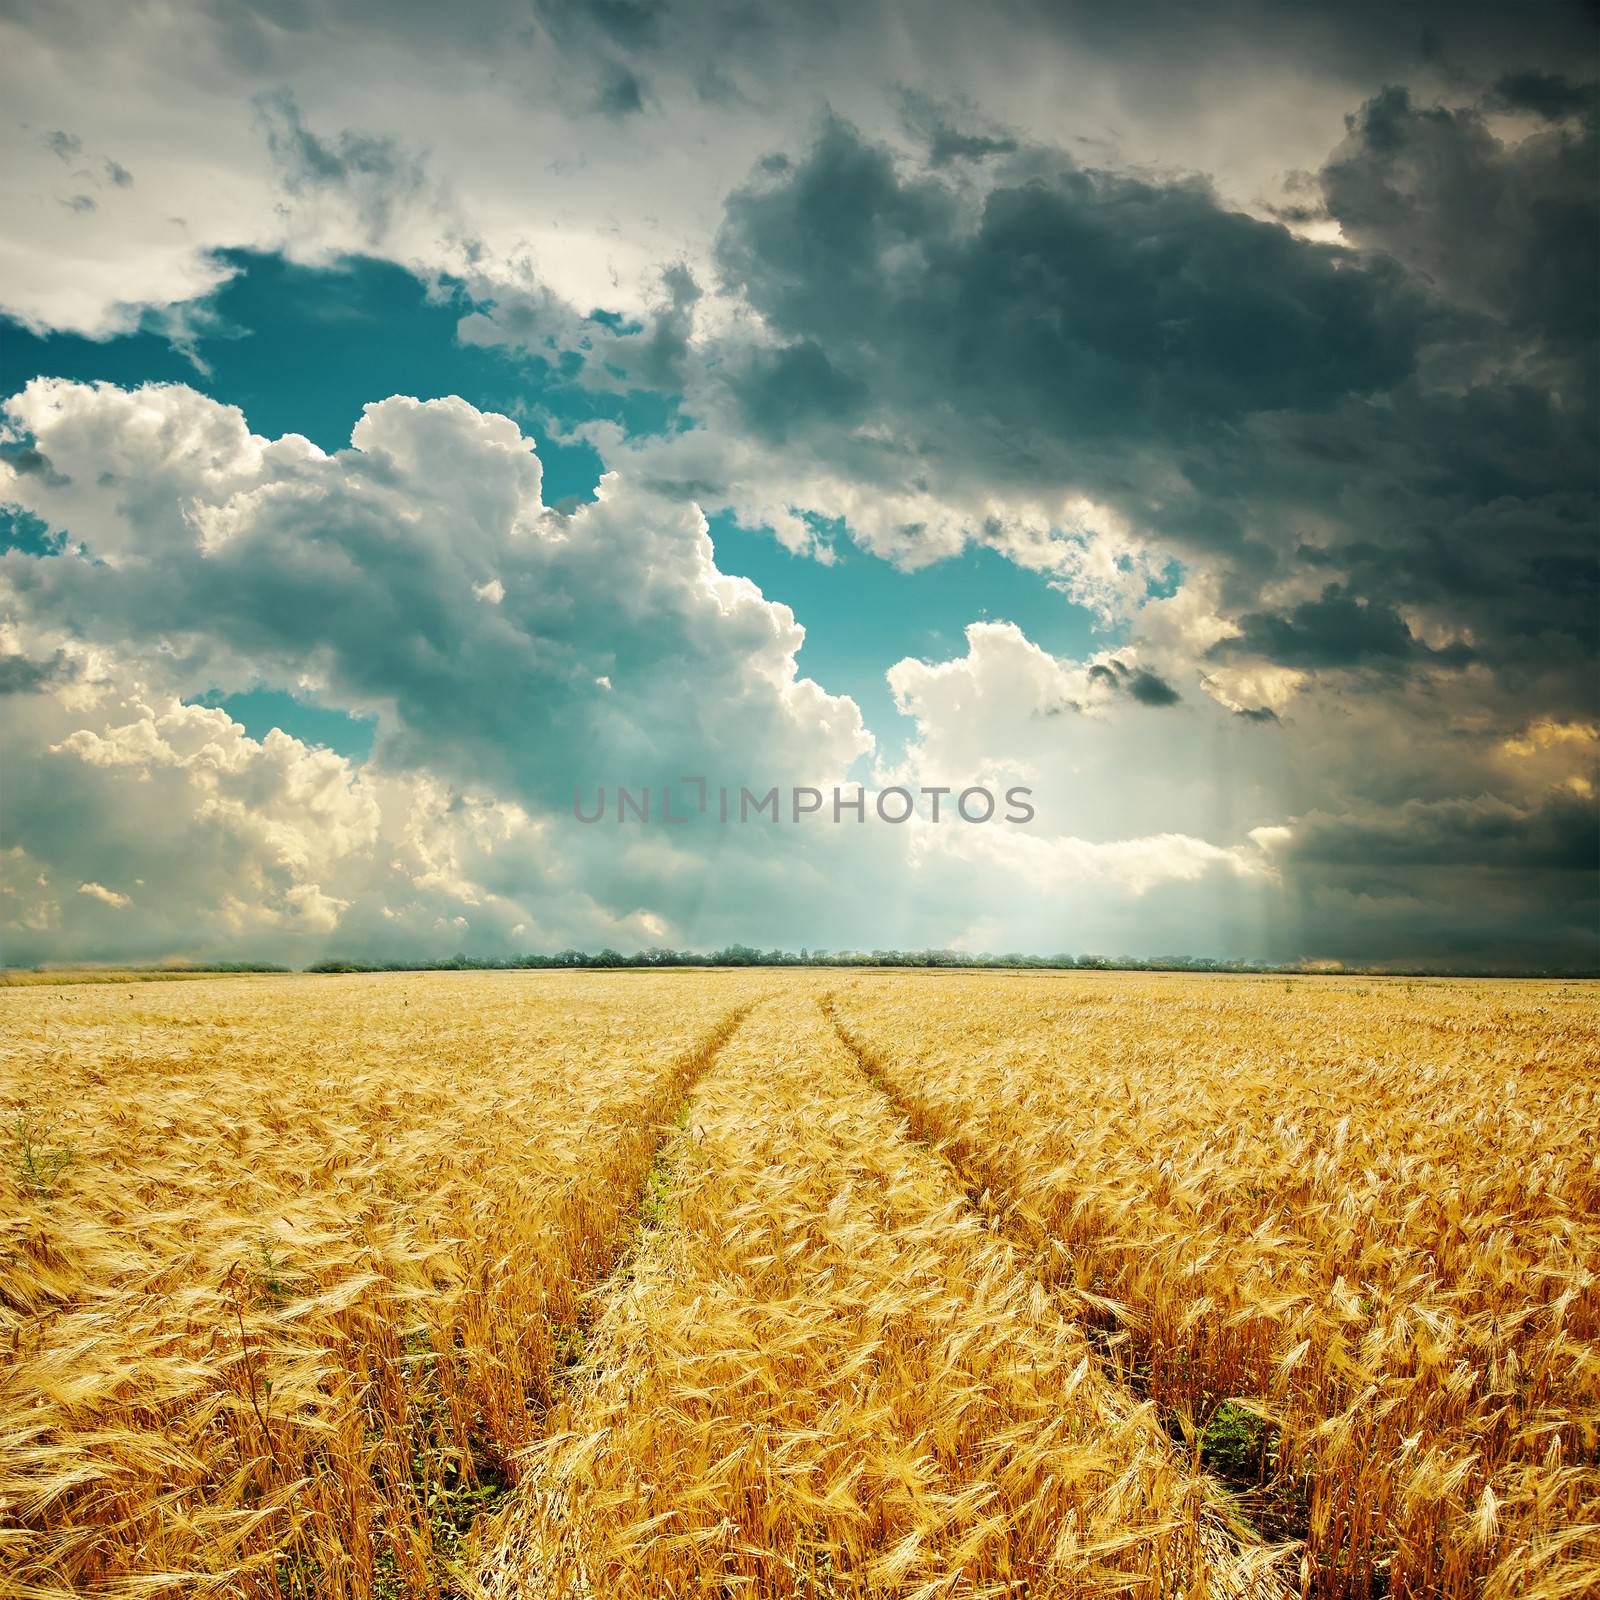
[(414, 413)]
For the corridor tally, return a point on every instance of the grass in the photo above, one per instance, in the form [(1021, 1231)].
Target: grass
[(40, 1166)]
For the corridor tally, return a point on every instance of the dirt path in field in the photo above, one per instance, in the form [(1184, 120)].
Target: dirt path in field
[(822, 1372), (998, 1220), (1218, 1531), (616, 1269)]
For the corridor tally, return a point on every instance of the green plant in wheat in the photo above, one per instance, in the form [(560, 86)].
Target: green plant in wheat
[(39, 1166)]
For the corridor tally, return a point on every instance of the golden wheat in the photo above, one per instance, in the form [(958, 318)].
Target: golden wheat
[(943, 1285), (293, 1302), (826, 1376), (1366, 1213)]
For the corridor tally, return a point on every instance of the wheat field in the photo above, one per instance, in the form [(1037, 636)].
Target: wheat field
[(800, 1284)]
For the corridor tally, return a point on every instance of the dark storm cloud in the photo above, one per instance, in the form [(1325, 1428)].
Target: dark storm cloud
[(1429, 393), (779, 391), (1506, 230), (1558, 833), (1355, 40), (634, 24), (621, 91), (1476, 508), (948, 132), (20, 675), (949, 144), (1547, 94), (1075, 307), (1474, 881), (375, 175), (1148, 688), (1336, 630)]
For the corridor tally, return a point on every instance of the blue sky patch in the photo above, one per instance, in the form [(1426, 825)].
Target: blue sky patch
[(259, 711), (303, 349), (863, 614)]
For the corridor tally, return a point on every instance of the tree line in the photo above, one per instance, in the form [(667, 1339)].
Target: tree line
[(744, 955)]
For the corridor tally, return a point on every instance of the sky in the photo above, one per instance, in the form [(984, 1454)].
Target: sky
[(415, 421)]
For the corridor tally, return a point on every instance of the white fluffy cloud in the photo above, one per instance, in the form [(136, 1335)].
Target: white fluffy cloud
[(206, 557), (509, 653), (363, 574), (302, 811), (1116, 750)]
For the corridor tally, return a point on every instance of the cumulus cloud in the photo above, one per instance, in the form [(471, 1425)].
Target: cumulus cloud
[(203, 556), (1109, 765), (366, 572), (122, 786), (615, 652), (265, 847)]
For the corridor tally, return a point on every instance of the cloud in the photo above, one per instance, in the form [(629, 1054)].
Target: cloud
[(1547, 94), (1148, 688), (1372, 453), (234, 836), (1082, 736), (1369, 452), (203, 556), (375, 177), (1298, 400), (517, 311), (108, 897), (621, 92), (1479, 834), (1418, 181), (1547, 734), (491, 99), (1334, 630), (1066, 306), (19, 675), (1520, 878), (617, 654), (366, 571), (263, 848), (1135, 865)]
